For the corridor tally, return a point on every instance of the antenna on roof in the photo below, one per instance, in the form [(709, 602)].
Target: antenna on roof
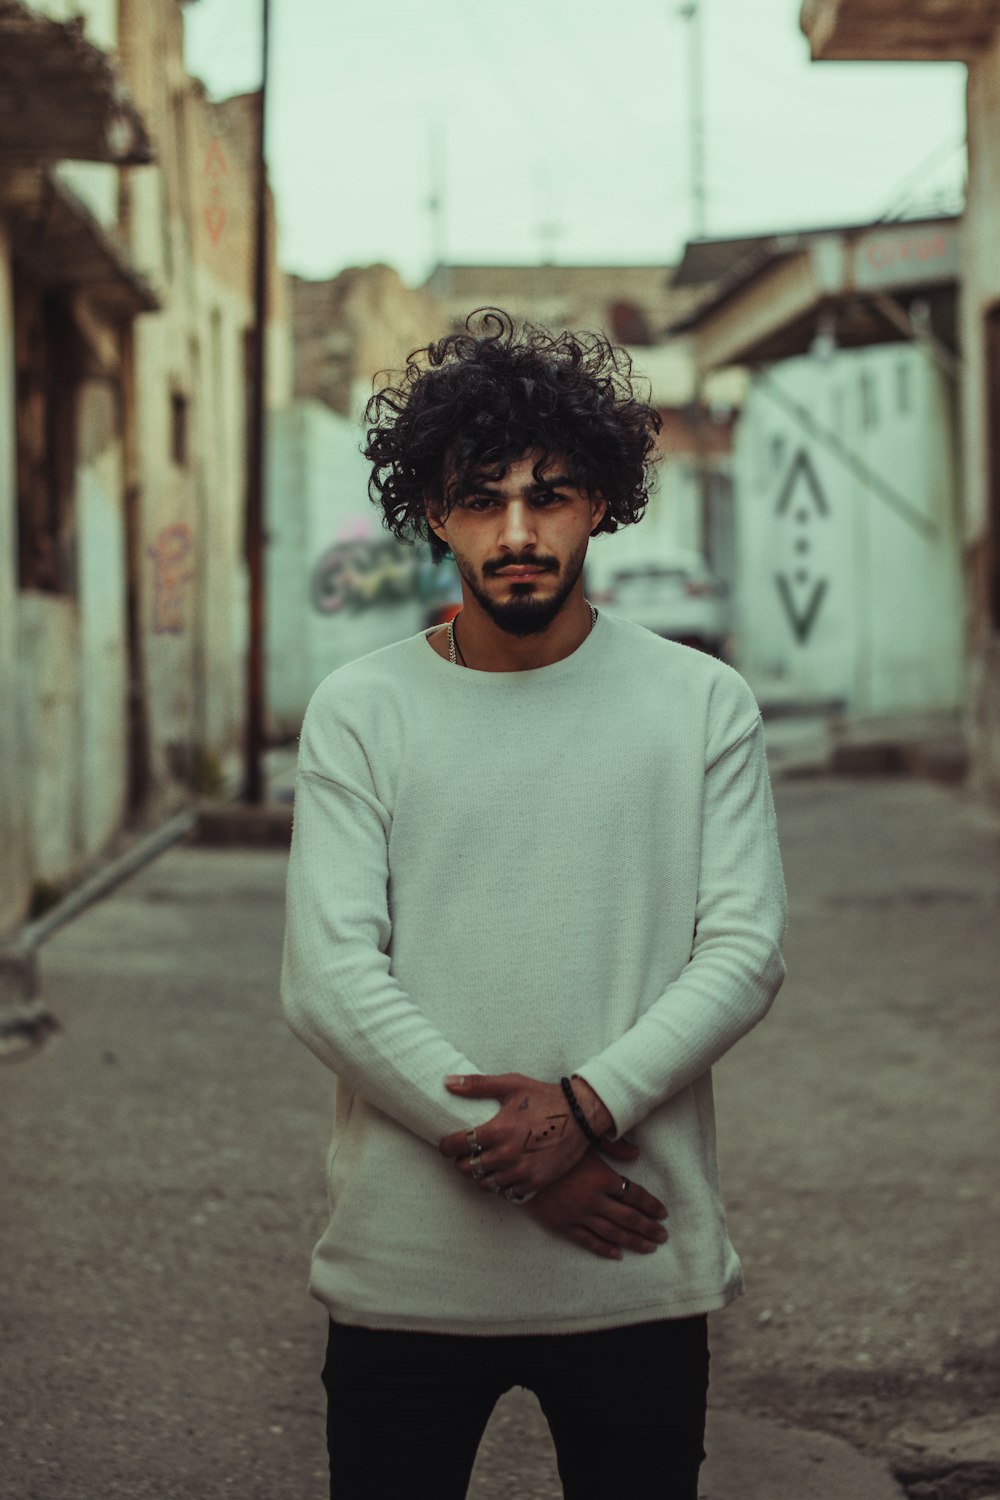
[(436, 147)]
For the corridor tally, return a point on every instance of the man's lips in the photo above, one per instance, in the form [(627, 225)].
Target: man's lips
[(514, 572)]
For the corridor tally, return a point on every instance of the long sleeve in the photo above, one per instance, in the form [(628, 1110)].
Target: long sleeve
[(736, 966), (517, 872), (338, 993)]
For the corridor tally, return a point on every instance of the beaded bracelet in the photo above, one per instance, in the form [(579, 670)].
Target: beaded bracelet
[(578, 1114)]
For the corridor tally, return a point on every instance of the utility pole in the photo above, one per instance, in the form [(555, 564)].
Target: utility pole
[(436, 203), (253, 772), (692, 13)]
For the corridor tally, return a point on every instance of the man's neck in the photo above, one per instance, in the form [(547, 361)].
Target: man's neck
[(487, 648)]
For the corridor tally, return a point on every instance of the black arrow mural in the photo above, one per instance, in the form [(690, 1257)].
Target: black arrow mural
[(801, 621), (802, 467)]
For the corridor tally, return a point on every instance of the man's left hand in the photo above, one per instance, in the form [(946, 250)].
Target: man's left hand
[(533, 1139)]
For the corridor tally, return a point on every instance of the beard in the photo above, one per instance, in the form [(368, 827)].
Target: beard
[(524, 613)]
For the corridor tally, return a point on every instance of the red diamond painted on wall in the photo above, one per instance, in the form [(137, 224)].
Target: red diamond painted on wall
[(215, 221)]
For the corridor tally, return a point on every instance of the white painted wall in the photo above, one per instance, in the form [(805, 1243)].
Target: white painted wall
[(95, 183), (100, 749), (980, 294), (672, 522), (70, 759), (48, 648), (878, 605), (674, 519), (322, 527)]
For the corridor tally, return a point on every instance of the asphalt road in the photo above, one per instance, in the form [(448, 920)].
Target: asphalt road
[(163, 1187)]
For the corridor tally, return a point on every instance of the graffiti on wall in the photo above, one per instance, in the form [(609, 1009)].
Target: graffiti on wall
[(172, 573), (801, 502), (362, 571), (215, 169)]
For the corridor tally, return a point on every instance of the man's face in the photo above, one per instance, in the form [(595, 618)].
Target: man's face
[(520, 543)]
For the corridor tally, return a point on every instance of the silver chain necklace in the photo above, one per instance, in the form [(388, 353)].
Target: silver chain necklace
[(452, 657)]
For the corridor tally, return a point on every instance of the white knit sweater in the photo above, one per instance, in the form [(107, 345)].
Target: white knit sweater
[(569, 869)]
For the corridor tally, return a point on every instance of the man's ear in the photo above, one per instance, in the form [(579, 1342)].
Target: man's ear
[(433, 510), (599, 509)]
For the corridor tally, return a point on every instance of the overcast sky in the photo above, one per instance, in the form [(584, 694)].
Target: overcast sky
[(565, 123)]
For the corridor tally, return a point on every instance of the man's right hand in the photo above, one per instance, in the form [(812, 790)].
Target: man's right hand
[(584, 1206)]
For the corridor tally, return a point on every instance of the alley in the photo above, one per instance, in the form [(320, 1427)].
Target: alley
[(165, 1155)]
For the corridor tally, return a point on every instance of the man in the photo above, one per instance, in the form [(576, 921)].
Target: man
[(534, 893)]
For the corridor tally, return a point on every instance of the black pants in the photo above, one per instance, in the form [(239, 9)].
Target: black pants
[(626, 1408)]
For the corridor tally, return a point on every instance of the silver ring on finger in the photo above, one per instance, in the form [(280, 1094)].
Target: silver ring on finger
[(470, 1136), (477, 1169), (511, 1195), (491, 1181), (622, 1190)]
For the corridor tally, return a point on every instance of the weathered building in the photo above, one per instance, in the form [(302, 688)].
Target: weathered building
[(350, 327), (634, 305), (848, 578), (967, 32), (125, 300)]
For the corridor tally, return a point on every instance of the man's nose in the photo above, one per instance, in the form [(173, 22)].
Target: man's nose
[(518, 525)]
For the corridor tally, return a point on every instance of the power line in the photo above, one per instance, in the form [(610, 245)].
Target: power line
[(941, 153)]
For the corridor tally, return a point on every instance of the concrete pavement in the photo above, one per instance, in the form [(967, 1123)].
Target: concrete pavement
[(164, 1187)]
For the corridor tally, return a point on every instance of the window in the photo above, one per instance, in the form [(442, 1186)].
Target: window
[(48, 365), (869, 402), (904, 387), (179, 428)]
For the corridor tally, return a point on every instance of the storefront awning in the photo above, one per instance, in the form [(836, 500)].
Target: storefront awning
[(60, 243), (61, 97), (854, 284)]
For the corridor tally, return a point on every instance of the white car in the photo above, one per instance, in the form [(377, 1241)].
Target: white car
[(676, 596)]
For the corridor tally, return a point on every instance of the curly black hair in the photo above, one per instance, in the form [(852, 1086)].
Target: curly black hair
[(472, 403)]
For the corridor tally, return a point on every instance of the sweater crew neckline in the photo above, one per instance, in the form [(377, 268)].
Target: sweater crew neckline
[(570, 663)]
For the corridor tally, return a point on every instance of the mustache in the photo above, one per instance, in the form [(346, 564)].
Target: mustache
[(518, 562)]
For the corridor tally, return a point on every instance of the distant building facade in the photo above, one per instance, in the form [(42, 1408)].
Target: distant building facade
[(349, 328), (843, 598), (125, 303), (634, 305), (923, 31), (846, 474), (338, 584)]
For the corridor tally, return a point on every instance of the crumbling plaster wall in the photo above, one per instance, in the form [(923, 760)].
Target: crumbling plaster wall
[(14, 832), (981, 294)]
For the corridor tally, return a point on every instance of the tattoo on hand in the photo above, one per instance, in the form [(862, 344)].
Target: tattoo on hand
[(523, 1105), (541, 1140)]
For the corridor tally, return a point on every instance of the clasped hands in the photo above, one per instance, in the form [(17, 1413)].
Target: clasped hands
[(533, 1145)]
